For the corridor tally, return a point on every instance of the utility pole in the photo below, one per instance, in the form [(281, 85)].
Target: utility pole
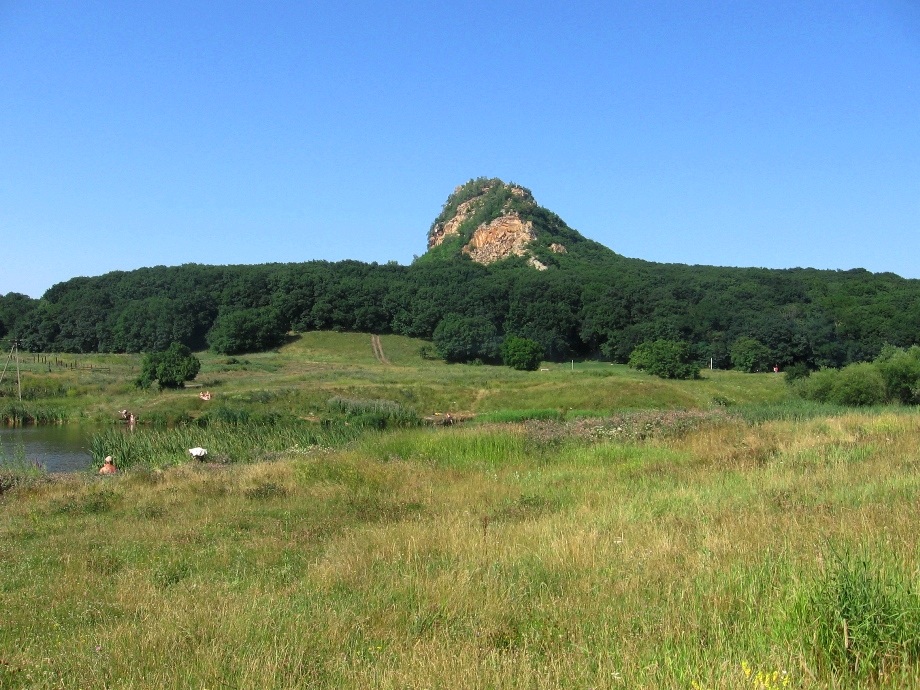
[(14, 350)]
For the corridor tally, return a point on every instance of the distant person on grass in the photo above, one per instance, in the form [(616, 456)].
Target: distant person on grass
[(108, 466)]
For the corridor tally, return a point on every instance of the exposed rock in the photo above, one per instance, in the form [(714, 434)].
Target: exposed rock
[(506, 215), (503, 237), (451, 227), (441, 231)]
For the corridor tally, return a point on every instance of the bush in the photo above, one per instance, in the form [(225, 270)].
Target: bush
[(797, 371), (818, 386), (427, 351), (669, 359), (900, 370), (171, 368), (858, 384), (522, 354), (855, 385)]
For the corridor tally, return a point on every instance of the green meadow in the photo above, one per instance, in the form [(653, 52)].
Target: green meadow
[(300, 378), (582, 527)]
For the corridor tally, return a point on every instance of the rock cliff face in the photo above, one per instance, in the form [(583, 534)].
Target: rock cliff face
[(490, 219), (503, 237), (451, 227)]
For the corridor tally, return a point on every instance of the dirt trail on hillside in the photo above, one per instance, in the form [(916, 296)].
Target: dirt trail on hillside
[(378, 350)]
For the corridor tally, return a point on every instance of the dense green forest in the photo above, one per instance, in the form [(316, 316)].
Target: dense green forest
[(591, 302), (819, 318)]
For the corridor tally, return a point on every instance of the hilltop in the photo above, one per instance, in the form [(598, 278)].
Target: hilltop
[(489, 220)]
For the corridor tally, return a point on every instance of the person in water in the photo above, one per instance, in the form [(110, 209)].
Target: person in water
[(108, 466)]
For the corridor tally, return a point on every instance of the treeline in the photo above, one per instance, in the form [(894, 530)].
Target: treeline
[(601, 308)]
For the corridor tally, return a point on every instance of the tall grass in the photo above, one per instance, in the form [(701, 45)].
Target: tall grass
[(865, 612), (225, 442), (15, 415), (16, 469), (378, 414), (793, 409), (512, 416), (709, 555)]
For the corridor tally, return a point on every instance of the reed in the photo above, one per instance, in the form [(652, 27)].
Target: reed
[(16, 415), (16, 469), (225, 442)]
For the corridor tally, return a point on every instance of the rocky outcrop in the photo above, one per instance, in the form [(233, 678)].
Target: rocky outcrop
[(490, 220), (503, 237), (450, 227)]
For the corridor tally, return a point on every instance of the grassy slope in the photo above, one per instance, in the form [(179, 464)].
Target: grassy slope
[(301, 376)]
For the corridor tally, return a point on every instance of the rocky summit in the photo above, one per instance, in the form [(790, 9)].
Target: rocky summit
[(489, 220)]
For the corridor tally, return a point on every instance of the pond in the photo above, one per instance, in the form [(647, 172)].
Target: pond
[(63, 448)]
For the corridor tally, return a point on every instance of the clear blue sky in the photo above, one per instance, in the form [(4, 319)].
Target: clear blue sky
[(774, 133)]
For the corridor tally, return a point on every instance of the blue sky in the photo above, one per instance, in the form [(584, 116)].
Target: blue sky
[(736, 133)]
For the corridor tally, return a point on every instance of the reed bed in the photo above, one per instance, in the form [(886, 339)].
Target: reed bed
[(16, 415), (225, 442)]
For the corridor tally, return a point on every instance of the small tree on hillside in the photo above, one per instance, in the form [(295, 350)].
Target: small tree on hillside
[(522, 354), (465, 338), (669, 359), (246, 330), (751, 355), (170, 368)]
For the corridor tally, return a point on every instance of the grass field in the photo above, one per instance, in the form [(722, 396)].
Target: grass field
[(300, 377), (695, 536)]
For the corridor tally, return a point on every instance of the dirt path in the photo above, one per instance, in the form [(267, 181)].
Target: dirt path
[(378, 350)]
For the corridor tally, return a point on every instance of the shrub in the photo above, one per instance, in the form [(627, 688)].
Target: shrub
[(427, 351), (855, 385), (818, 386), (669, 359), (797, 371), (171, 369), (900, 370), (858, 384), (522, 354)]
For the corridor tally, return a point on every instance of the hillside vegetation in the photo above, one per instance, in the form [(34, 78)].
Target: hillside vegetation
[(588, 302)]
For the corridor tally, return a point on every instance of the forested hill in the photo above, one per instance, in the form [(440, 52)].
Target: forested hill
[(584, 301)]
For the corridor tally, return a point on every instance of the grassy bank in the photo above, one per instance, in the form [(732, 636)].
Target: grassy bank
[(302, 376), (709, 552)]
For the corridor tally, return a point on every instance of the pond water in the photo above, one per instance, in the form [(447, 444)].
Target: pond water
[(63, 448)]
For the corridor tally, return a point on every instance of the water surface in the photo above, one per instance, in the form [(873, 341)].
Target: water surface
[(63, 448)]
